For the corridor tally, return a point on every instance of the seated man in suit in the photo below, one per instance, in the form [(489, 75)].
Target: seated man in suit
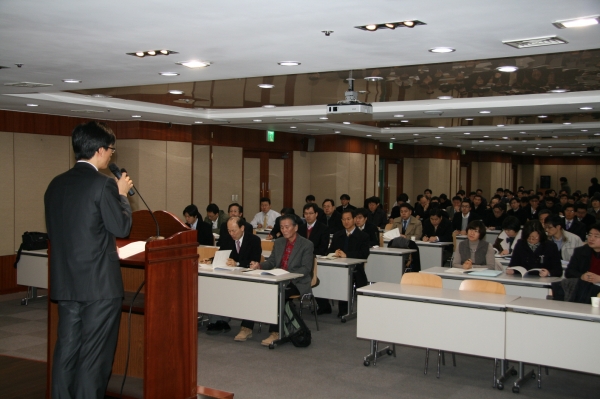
[(377, 216), (361, 220), (351, 243), (245, 248), (234, 210), (408, 225), (585, 262), (594, 210), (454, 208), (516, 210), (581, 211), (572, 225), (461, 220), (315, 231), (345, 200), (532, 209), (395, 213), (265, 219), (478, 206), (495, 217), (193, 219), (294, 254), (437, 227), (215, 217), (330, 217), (276, 232)]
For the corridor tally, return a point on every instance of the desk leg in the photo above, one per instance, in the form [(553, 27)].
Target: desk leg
[(281, 339), (523, 377), (375, 353), (351, 314), (499, 383), (31, 295)]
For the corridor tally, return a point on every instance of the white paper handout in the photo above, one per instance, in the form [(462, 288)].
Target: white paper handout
[(391, 234), (132, 249), (220, 258)]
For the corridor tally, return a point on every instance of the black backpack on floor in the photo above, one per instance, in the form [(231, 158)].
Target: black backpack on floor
[(294, 327)]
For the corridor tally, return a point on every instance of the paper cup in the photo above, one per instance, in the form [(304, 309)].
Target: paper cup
[(595, 301)]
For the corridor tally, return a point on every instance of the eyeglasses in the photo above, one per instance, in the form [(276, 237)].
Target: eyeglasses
[(594, 236), (110, 148)]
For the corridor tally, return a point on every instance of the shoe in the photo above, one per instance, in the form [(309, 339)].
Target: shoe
[(269, 340), (321, 311), (244, 334), (217, 328)]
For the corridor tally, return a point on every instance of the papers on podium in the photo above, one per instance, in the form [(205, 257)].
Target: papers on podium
[(132, 249)]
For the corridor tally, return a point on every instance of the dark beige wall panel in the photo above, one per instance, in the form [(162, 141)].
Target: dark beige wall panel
[(301, 178), (251, 198), (356, 179), (179, 177), (276, 183), (201, 173), (7, 198), (226, 175)]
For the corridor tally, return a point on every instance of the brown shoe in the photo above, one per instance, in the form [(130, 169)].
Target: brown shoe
[(269, 340), (244, 334)]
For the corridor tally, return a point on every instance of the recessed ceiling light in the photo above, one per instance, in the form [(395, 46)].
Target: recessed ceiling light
[(369, 135), (523, 132), (346, 123), (136, 116), (441, 127), (152, 53), (32, 105), (266, 86), (558, 90), (468, 119), (440, 143), (566, 123), (292, 127), (586, 108), (289, 63), (324, 118), (373, 78), (336, 132), (507, 68), (140, 54), (100, 96), (584, 130), (596, 134), (371, 27), (542, 116), (466, 133), (437, 137), (481, 141), (194, 64), (485, 137), (256, 120), (175, 91), (441, 50), (269, 106), (71, 81), (485, 112), (168, 74), (198, 122), (500, 125), (404, 121), (458, 145), (576, 22), (416, 134), (554, 137), (505, 138), (445, 97), (386, 128), (497, 145), (393, 138), (398, 116)]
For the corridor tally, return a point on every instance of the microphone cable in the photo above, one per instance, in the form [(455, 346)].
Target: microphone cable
[(129, 338)]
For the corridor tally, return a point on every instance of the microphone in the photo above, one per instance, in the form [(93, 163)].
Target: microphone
[(118, 173)]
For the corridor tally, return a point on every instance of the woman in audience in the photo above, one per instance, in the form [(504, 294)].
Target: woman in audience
[(475, 251), (565, 241), (511, 233), (535, 251)]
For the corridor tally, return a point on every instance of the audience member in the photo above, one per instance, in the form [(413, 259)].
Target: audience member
[(475, 251), (215, 217), (565, 242), (276, 231), (360, 220), (511, 233), (345, 200), (408, 225), (572, 225), (193, 219), (516, 211), (316, 231), (395, 213), (585, 262), (594, 188), (265, 219), (535, 251), (437, 227), (594, 210), (234, 210), (581, 212), (330, 217), (463, 218), (564, 185), (377, 216), (454, 208), (495, 217)]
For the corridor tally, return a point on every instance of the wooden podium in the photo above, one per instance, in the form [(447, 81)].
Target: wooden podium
[(164, 329)]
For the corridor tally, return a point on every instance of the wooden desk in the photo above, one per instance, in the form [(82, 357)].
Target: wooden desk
[(440, 319), (568, 334), (32, 272), (335, 278), (242, 296), (386, 264), (431, 253), (531, 287)]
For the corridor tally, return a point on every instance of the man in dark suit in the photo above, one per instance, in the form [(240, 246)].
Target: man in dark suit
[(234, 210), (85, 211), (193, 219), (377, 216), (437, 228), (588, 220), (462, 219), (351, 243), (361, 220), (245, 248), (315, 231), (345, 200), (572, 225), (330, 217), (215, 217), (294, 254)]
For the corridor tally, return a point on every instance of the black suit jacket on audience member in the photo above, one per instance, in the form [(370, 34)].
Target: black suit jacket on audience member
[(358, 244), (378, 218), (341, 209), (519, 214), (319, 236), (395, 213), (225, 238), (334, 224), (527, 213), (492, 221), (205, 234), (577, 228), (373, 232), (457, 220), (588, 221), (250, 251), (443, 232)]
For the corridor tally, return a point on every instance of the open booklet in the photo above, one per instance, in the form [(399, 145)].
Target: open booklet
[(220, 261), (391, 234), (458, 270), (272, 272), (524, 272), (330, 255)]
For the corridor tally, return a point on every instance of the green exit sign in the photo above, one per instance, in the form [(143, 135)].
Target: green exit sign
[(391, 146), (270, 136)]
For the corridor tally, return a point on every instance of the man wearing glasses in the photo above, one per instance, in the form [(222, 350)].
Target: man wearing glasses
[(585, 262), (461, 220)]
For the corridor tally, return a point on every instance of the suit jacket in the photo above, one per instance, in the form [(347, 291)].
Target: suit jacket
[(373, 233), (519, 214), (358, 244), (334, 224), (319, 236), (527, 213), (84, 214), (588, 221), (221, 220), (341, 209), (443, 232), (225, 238), (522, 255), (378, 218), (580, 262), (300, 261), (205, 235), (414, 227), (250, 251), (577, 228), (457, 220)]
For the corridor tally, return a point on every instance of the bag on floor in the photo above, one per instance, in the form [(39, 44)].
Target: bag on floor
[(294, 327), (32, 241)]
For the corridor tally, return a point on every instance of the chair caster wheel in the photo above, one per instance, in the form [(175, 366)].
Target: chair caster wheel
[(271, 346), (513, 372), (366, 363), (343, 320), (515, 389), (500, 386), (389, 352)]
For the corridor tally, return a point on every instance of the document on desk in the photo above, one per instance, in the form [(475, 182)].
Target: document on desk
[(220, 258), (458, 270), (391, 234), (132, 249), (329, 256), (485, 273), (524, 271), (272, 272)]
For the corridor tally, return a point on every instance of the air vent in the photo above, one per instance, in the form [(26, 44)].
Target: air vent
[(535, 42), (27, 84), (87, 111)]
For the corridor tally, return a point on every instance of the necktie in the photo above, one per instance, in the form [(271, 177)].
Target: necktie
[(265, 222), (237, 246), (404, 226), (346, 242), (568, 225), (308, 232), (510, 241)]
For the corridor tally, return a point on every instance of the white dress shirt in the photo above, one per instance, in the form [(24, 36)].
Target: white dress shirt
[(259, 218)]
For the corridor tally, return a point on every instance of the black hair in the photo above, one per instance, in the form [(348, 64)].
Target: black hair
[(567, 205), (192, 210), (443, 196), (310, 197), (240, 208), (408, 206), (328, 199), (351, 211), (511, 223), (436, 212), (500, 206), (456, 198), (581, 206), (265, 199), (530, 227), (312, 205), (212, 208), (426, 190), (402, 197), (89, 137), (288, 211), (563, 179), (479, 226), (555, 221), (289, 217), (373, 199), (362, 211), (344, 197)]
